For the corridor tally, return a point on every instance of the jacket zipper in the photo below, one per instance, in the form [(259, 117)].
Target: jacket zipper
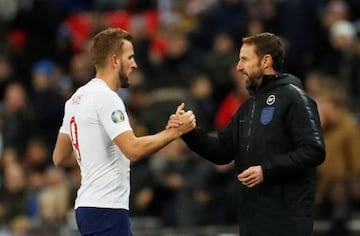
[(250, 125)]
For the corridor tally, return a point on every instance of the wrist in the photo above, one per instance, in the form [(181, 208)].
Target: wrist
[(174, 132)]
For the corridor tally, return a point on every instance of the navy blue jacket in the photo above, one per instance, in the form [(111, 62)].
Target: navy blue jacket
[(278, 128)]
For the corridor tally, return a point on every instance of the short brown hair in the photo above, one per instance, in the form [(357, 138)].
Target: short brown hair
[(268, 43), (107, 42)]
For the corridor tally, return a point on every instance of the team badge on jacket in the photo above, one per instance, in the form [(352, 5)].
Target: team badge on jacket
[(268, 112), (270, 100), (117, 116), (267, 115)]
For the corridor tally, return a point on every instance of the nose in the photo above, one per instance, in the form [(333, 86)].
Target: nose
[(134, 65), (239, 67)]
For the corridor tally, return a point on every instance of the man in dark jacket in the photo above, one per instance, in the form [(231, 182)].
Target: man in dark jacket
[(276, 141)]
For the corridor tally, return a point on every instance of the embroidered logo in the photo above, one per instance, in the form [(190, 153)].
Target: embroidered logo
[(267, 115), (270, 100), (117, 116)]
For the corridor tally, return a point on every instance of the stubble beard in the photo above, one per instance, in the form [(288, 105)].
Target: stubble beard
[(123, 77), (124, 80), (255, 78)]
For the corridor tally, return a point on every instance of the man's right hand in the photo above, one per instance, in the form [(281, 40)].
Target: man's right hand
[(184, 121)]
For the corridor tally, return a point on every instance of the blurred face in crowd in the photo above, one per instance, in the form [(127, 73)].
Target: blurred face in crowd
[(14, 177), (324, 108), (249, 65), (15, 98), (330, 111), (127, 63)]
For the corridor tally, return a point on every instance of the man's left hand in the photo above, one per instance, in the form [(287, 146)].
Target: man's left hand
[(252, 176)]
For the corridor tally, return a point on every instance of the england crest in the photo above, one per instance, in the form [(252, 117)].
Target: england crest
[(267, 115)]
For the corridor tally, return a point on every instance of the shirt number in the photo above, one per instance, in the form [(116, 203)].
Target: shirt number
[(75, 138)]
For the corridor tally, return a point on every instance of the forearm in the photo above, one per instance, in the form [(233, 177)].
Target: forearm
[(64, 158), (293, 163), (63, 152), (68, 162), (209, 147), (135, 148), (147, 145)]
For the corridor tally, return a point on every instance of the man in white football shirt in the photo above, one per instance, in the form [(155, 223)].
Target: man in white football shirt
[(97, 132)]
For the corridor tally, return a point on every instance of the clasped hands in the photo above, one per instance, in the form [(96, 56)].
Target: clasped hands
[(183, 121)]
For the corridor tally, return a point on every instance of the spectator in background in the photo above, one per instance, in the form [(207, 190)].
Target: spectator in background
[(223, 16), (182, 189), (14, 194), (266, 13), (17, 121), (338, 175), (80, 69), (254, 27), (178, 61), (46, 102), (54, 197), (6, 74), (300, 20), (333, 12), (342, 60), (142, 193), (142, 42), (138, 95), (35, 183), (232, 101), (37, 156), (313, 82), (217, 63), (201, 90)]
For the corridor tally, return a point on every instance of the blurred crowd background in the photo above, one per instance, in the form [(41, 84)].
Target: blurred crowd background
[(186, 50)]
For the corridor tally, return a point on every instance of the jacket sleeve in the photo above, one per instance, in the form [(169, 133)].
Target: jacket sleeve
[(217, 149), (303, 123)]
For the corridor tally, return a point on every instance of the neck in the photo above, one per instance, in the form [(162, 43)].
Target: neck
[(110, 79), (270, 71), (267, 72)]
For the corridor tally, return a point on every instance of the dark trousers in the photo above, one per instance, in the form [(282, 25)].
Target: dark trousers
[(93, 221)]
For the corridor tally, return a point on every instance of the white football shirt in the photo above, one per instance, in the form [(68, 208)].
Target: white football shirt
[(93, 117)]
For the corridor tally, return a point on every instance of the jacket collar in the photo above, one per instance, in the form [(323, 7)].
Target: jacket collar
[(266, 82)]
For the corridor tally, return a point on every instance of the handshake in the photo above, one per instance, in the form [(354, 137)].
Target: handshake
[(183, 121)]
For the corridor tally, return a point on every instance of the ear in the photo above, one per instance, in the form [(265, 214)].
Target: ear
[(114, 60), (267, 61)]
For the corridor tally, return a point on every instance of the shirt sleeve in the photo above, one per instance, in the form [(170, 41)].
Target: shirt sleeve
[(217, 149), (65, 126), (113, 116)]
